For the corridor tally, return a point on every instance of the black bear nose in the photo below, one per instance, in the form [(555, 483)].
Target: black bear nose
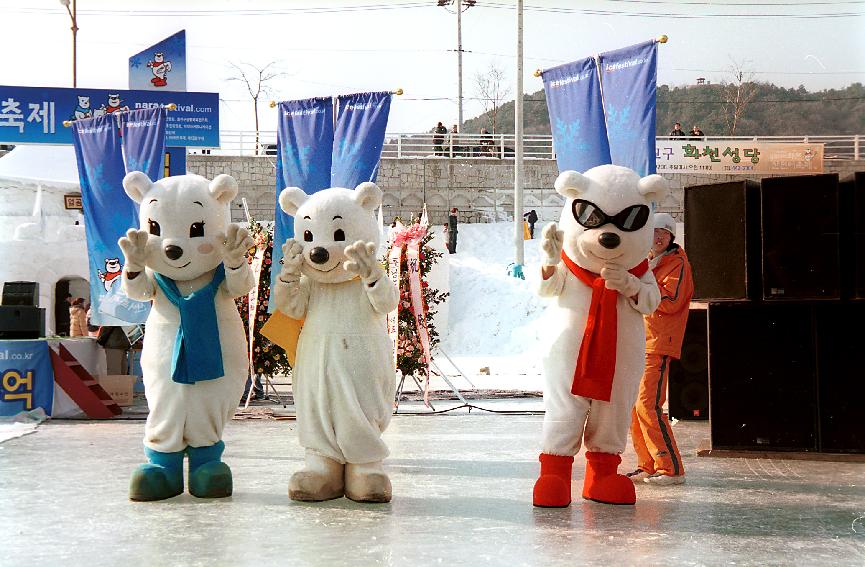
[(319, 255), (609, 240), (173, 252)]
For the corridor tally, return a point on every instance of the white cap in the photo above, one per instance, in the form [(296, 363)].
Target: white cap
[(665, 221)]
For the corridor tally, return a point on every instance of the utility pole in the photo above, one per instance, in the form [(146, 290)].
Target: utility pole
[(461, 5), (518, 152), (460, 64), (73, 15)]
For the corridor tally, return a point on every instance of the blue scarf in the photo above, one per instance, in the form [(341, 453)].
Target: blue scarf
[(197, 352)]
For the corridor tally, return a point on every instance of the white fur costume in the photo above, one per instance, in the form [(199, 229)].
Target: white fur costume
[(184, 415), (343, 380), (613, 189)]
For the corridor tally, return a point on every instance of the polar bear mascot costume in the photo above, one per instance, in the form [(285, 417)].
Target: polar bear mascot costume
[(594, 264), (343, 379), (190, 262)]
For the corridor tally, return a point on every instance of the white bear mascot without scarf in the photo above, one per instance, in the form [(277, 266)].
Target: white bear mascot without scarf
[(594, 264), (343, 379), (190, 261)]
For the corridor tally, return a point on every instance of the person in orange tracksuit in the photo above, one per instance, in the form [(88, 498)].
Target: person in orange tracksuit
[(659, 461)]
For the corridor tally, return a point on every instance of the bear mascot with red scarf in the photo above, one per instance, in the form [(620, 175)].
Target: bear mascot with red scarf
[(594, 265)]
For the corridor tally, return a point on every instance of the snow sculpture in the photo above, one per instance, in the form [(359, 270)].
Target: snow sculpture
[(594, 264), (343, 378), (190, 261)]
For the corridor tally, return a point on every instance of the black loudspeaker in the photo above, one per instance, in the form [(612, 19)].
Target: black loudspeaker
[(762, 376), (21, 322), (801, 237), (21, 293), (852, 221), (722, 236), (689, 376), (841, 370)]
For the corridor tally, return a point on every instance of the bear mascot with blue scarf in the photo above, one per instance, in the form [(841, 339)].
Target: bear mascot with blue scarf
[(191, 263), (343, 378)]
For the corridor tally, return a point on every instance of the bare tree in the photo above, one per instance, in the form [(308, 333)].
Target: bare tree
[(256, 79), (492, 89), (737, 93)]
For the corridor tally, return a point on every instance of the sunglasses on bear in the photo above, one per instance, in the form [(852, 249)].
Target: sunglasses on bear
[(629, 219)]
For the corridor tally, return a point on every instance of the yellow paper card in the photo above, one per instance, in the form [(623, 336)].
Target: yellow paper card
[(284, 331)]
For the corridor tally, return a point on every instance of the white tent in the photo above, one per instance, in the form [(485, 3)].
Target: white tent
[(40, 239)]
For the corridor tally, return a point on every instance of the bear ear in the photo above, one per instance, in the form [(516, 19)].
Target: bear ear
[(291, 198), (137, 184), (368, 195), (223, 188), (653, 187), (570, 184)]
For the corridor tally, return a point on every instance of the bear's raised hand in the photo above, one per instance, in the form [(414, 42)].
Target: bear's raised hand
[(234, 245), (552, 241), (362, 261), (134, 247), (619, 279), (292, 260)]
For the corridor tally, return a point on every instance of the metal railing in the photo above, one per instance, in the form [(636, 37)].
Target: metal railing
[(501, 146)]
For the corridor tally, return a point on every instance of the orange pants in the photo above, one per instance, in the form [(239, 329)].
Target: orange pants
[(650, 430)]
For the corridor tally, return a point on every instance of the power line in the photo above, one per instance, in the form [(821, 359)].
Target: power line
[(602, 12), (227, 11)]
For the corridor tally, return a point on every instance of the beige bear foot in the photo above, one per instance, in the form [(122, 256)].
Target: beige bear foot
[(367, 483), (321, 479)]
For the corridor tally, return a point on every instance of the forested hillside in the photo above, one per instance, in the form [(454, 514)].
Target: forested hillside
[(772, 111)]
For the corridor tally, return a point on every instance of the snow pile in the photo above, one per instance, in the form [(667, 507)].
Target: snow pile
[(495, 320)]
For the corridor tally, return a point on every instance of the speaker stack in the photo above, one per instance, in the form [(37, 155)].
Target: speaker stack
[(781, 264)]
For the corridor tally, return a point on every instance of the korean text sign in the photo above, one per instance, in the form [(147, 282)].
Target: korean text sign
[(35, 115), (26, 377)]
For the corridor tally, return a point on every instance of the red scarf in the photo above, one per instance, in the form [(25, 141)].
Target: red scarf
[(596, 364)]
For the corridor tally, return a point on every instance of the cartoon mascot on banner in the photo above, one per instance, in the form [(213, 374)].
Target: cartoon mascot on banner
[(190, 261), (594, 264), (343, 379)]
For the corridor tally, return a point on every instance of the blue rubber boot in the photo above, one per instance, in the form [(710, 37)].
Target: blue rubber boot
[(159, 479), (208, 476)]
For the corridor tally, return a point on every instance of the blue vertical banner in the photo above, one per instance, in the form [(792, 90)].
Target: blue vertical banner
[(304, 142), (358, 138), (26, 377), (103, 156), (629, 78), (576, 115)]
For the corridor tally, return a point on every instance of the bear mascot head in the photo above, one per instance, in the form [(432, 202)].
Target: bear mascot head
[(327, 222), (606, 214), (186, 218)]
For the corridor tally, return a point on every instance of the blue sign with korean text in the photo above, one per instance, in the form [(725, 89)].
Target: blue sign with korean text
[(160, 67), (358, 137), (629, 80), (26, 377), (576, 115), (304, 142), (35, 115), (104, 157)]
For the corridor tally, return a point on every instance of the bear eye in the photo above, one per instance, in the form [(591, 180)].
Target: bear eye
[(196, 229), (339, 235), (307, 236), (153, 227)]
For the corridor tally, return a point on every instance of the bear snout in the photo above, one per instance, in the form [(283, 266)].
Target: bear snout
[(609, 240), (173, 252), (319, 255)]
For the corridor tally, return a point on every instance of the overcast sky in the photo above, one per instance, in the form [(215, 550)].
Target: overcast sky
[(341, 46)]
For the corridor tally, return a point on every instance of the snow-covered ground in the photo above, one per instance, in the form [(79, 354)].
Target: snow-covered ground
[(495, 320)]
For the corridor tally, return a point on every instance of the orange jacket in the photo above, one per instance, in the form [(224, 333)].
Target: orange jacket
[(665, 328)]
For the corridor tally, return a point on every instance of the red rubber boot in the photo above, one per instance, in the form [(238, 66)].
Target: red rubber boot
[(553, 487), (604, 484)]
